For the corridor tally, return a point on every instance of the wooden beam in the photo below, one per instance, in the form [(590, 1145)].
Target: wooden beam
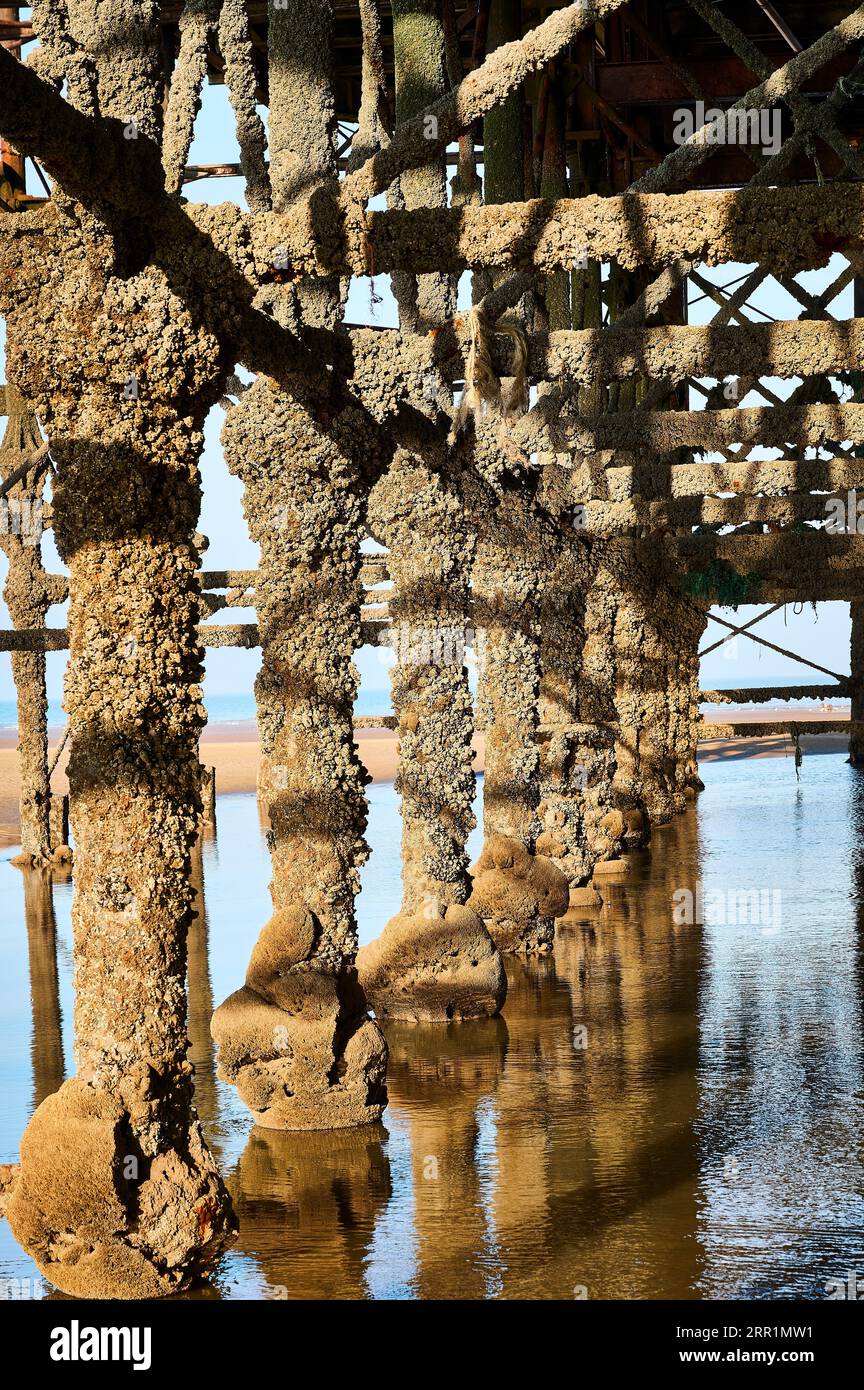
[(764, 694)]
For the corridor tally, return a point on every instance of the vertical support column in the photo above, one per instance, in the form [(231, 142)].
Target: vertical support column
[(553, 184), (27, 598), (302, 128), (657, 633), (856, 684), (518, 893), (297, 1040), (503, 161), (434, 961), (117, 1194), (640, 688), (687, 625), (581, 826), (200, 993), (12, 166), (419, 52)]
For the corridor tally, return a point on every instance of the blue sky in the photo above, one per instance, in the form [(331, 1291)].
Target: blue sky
[(823, 636)]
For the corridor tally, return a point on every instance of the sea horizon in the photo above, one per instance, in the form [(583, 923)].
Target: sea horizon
[(227, 708)]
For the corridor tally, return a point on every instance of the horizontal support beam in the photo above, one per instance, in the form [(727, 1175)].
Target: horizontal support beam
[(373, 571), (766, 693), (546, 429), (604, 518), (795, 551), (800, 348), (244, 635), (790, 567), (32, 639), (227, 579), (771, 476), (745, 225), (725, 77), (779, 726)]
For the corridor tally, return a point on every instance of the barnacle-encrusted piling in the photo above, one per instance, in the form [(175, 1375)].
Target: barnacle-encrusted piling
[(297, 1040), (518, 893), (117, 1194), (581, 825), (435, 960)]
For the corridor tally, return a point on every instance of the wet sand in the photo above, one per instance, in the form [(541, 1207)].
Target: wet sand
[(232, 749)]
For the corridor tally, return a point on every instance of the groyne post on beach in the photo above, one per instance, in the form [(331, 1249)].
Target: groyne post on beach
[(28, 594)]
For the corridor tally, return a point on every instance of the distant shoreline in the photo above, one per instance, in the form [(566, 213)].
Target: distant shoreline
[(232, 749)]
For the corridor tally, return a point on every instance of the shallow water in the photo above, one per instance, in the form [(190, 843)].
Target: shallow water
[(666, 1110)]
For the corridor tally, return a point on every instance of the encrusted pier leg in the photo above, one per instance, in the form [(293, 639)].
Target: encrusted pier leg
[(517, 892), (118, 1195), (435, 961), (689, 626), (297, 1039), (639, 655), (656, 636), (581, 825)]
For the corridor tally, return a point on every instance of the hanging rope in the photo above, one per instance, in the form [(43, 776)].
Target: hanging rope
[(484, 394)]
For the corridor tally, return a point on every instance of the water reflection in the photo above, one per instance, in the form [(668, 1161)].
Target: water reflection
[(200, 997), (441, 1081), (46, 1038), (664, 1111), (308, 1206), (781, 1117)]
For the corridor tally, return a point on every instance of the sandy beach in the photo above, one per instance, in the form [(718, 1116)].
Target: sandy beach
[(232, 749)]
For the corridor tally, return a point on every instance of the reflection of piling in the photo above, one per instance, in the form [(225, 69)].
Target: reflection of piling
[(438, 1078), (308, 1204), (200, 1052), (856, 686), (46, 1046), (535, 1087), (634, 983)]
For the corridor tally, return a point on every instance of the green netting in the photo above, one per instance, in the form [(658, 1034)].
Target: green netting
[(721, 585)]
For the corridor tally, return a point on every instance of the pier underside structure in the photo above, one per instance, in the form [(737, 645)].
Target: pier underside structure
[(524, 448)]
